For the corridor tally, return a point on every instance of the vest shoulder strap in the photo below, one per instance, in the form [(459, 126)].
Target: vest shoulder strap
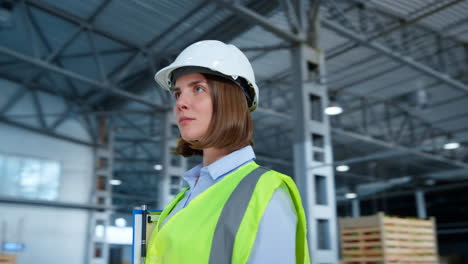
[(231, 218)]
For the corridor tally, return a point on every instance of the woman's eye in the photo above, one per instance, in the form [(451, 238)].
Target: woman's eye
[(199, 89), (176, 95)]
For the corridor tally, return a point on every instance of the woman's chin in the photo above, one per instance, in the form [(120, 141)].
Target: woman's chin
[(189, 138)]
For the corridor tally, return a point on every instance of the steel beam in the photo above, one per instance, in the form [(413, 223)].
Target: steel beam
[(293, 20), (252, 16), (355, 208), (395, 150), (62, 117), (46, 132), (20, 92), (35, 86), (398, 149), (83, 54), (420, 204), (122, 67), (71, 18), (38, 107), (414, 20), (56, 204), (94, 84), (98, 10), (410, 62), (392, 194), (97, 57)]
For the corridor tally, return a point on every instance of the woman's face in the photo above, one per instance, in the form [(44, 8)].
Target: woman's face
[(194, 107)]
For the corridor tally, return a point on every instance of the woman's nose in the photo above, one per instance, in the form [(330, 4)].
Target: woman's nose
[(183, 101)]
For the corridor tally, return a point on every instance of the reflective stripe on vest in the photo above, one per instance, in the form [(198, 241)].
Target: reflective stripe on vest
[(231, 217)]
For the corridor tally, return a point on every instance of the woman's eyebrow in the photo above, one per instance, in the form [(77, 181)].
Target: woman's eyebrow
[(191, 84)]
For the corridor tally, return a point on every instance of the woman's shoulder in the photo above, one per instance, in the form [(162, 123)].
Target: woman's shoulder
[(275, 174)]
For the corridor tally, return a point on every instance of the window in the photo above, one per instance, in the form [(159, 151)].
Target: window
[(323, 236), (29, 178), (174, 190), (175, 180), (319, 156), (317, 141), (176, 160), (316, 111), (321, 190)]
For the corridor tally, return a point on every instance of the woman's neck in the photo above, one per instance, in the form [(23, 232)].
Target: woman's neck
[(211, 155)]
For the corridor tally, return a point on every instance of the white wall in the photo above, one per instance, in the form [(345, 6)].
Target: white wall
[(51, 235)]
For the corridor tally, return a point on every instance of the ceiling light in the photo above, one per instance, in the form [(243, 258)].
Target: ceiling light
[(342, 168), (158, 167), (430, 182), (120, 222), (115, 182), (452, 145), (333, 109), (350, 195)]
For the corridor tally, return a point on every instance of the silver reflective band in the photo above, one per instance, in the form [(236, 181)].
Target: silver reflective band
[(231, 217)]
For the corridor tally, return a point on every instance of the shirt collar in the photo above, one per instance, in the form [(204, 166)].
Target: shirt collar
[(222, 166), (190, 176), (230, 162)]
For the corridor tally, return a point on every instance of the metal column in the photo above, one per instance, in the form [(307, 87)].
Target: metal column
[(312, 148), (170, 182), (420, 204), (99, 220), (355, 208)]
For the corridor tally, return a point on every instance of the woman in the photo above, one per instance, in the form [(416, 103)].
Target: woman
[(233, 211)]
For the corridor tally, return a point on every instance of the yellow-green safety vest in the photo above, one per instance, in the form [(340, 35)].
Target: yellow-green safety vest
[(187, 237)]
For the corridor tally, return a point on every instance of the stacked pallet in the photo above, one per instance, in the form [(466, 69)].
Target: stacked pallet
[(381, 239), (7, 259)]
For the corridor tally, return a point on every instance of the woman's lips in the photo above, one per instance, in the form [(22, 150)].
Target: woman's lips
[(185, 120)]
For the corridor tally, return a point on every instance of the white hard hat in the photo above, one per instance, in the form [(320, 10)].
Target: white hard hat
[(216, 57)]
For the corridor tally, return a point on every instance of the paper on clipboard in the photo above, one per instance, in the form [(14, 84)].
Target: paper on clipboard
[(137, 230)]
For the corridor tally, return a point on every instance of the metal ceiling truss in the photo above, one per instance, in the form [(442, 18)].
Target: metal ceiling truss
[(387, 120), (135, 150), (103, 85), (46, 123), (374, 34), (394, 193), (249, 15), (396, 150)]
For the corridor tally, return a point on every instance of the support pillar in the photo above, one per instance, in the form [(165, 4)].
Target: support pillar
[(312, 149), (420, 204), (170, 182), (99, 220), (355, 208)]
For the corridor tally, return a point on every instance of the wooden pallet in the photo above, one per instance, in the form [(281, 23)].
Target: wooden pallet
[(381, 239), (7, 259)]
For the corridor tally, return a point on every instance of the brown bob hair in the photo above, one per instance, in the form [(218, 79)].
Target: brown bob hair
[(231, 125)]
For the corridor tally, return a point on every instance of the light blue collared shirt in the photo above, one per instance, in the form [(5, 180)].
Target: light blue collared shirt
[(276, 237)]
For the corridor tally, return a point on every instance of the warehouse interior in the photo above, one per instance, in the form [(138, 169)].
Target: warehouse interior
[(86, 134)]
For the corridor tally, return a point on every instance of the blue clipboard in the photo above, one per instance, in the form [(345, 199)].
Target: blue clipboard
[(137, 232)]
